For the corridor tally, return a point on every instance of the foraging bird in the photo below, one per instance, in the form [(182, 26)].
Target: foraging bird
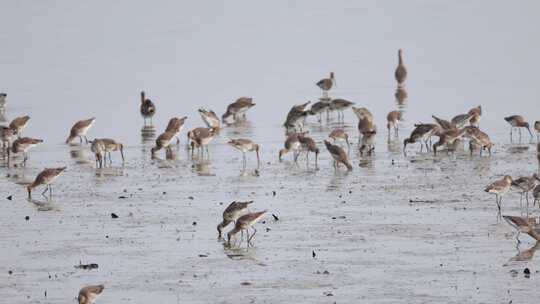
[(45, 177), (148, 108), (176, 125), (401, 70), (326, 84), (163, 141), (362, 113), (292, 143), (422, 133), (80, 129), (18, 124), (365, 126), (392, 121), (308, 144), (478, 139), (98, 148), (338, 155), (200, 138), (232, 213), (23, 145), (340, 105), (296, 116), (340, 135), (526, 225), (525, 184), (238, 108), (6, 136), (476, 114), (246, 145), (499, 188), (88, 294), (244, 223), (443, 123), (368, 142), (210, 119), (448, 138), (517, 121), (461, 120), (110, 146), (318, 108)]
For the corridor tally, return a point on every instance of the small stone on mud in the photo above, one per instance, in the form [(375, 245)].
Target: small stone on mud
[(275, 217), (9, 198), (121, 197), (527, 273), (267, 229), (190, 197), (194, 223), (273, 193), (203, 255), (114, 216), (10, 272), (245, 283), (164, 192), (313, 254), (27, 218), (326, 272)]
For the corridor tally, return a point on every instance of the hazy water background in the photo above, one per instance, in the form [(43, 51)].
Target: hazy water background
[(62, 62)]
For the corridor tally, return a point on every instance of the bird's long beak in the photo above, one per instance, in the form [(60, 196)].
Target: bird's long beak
[(122, 152)]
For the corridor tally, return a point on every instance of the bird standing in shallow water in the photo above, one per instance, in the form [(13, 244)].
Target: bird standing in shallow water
[(478, 139), (340, 105), (98, 148), (246, 145), (234, 211), (244, 223), (308, 144), (525, 184), (476, 114), (537, 128), (88, 294), (340, 135), (6, 136), (339, 156), (45, 177), (392, 121), (148, 109), (23, 145), (238, 109), (401, 70), (200, 138), (80, 129), (326, 84), (421, 133), (292, 143), (210, 119), (163, 141), (517, 121), (499, 188), (18, 124), (176, 125)]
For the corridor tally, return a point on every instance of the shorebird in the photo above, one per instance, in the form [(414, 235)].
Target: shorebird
[(3, 100), (365, 126), (340, 135), (163, 141), (79, 129), (499, 188), (392, 121), (210, 119), (6, 136), (244, 223), (476, 114), (368, 142), (537, 128), (232, 213), (340, 105), (478, 139), (526, 225), (110, 146), (338, 155), (148, 109), (401, 70), (176, 125), (238, 108), (88, 294), (421, 133), (362, 113), (308, 144), (98, 148), (326, 84), (461, 120), (292, 143), (318, 108), (200, 138), (517, 121), (443, 123), (18, 124), (401, 95), (245, 145), (448, 138), (296, 116), (23, 145), (525, 184), (45, 177)]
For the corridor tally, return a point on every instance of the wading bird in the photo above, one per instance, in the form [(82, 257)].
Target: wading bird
[(46, 178)]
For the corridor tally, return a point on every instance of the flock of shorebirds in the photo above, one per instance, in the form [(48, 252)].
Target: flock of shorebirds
[(450, 134)]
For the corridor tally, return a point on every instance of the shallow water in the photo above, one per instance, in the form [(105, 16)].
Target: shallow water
[(395, 230)]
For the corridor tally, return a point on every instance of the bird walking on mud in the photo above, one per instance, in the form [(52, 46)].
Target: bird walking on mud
[(243, 223), (517, 121), (79, 129), (339, 155), (234, 211), (246, 145), (46, 178), (499, 188)]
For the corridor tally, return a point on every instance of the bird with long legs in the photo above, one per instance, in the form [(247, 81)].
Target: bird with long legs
[(392, 122), (401, 71), (526, 225), (238, 109), (234, 211), (79, 129), (499, 188), (243, 223), (200, 138), (461, 120), (112, 145), (88, 294), (308, 144), (478, 139), (18, 124), (476, 114), (536, 195), (339, 135), (244, 146), (292, 144), (147, 108), (6, 136), (339, 156), (448, 138), (23, 145), (210, 118), (46, 178), (443, 123), (368, 142), (525, 184), (175, 125), (340, 105), (163, 141), (319, 108), (296, 117), (517, 121), (98, 148), (421, 133), (326, 84)]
